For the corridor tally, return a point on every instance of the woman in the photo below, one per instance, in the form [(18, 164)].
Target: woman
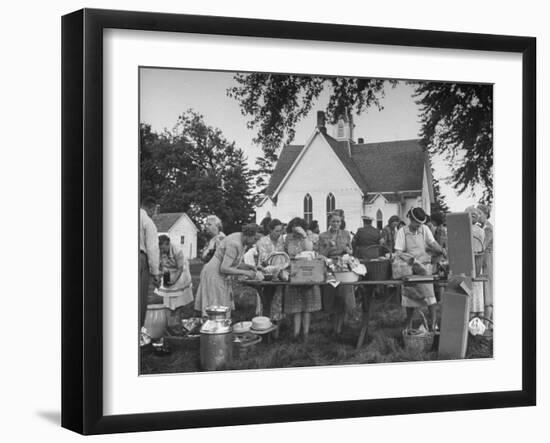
[(271, 296), (300, 301), (412, 241), (333, 244), (215, 281), (313, 233), (176, 288), (213, 227), (389, 231), (487, 259)]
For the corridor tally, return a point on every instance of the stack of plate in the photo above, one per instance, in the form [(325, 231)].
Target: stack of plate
[(261, 323)]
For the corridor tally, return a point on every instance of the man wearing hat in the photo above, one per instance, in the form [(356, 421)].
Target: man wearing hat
[(365, 238)]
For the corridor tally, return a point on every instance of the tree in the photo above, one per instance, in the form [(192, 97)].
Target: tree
[(276, 103), (457, 122), (456, 119), (194, 169)]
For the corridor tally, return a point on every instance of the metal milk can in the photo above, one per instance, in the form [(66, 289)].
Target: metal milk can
[(216, 339)]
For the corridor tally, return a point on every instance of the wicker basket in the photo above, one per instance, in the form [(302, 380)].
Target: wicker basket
[(420, 342), (378, 269)]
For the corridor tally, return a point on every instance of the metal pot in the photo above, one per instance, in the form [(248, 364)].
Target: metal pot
[(217, 312)]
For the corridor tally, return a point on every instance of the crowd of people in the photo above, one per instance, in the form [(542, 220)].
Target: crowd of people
[(423, 238)]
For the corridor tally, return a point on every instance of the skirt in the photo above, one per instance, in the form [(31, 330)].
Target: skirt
[(302, 299), (424, 289), (338, 300), (214, 288)]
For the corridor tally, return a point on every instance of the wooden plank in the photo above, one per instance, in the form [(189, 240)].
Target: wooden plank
[(459, 244), (454, 323)]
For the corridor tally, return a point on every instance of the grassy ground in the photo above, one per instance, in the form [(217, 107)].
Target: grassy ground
[(384, 345)]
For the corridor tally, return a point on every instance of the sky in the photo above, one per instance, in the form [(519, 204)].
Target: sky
[(167, 93)]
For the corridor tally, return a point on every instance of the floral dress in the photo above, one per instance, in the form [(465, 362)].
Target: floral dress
[(302, 298), (215, 288)]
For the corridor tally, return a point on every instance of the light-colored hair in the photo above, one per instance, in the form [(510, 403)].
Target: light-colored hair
[(216, 220)]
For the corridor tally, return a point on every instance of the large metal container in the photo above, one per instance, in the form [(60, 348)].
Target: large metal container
[(216, 339)]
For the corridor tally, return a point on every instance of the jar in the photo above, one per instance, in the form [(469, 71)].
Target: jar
[(155, 321)]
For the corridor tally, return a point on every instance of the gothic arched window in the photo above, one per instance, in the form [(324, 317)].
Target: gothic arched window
[(379, 219), (308, 208), (331, 206)]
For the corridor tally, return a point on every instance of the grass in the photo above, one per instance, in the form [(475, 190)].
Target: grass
[(384, 345)]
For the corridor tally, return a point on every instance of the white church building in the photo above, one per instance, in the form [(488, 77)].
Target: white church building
[(335, 172)]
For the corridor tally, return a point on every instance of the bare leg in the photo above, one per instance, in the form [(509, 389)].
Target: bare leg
[(433, 316), (297, 323), (339, 323), (307, 321)]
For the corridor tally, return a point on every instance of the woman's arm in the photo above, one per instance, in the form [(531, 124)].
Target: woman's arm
[(227, 267)]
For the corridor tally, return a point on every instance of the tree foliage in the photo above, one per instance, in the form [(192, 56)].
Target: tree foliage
[(275, 103), (194, 169), (456, 119), (457, 122)]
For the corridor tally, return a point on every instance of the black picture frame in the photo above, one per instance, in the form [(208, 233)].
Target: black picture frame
[(82, 218)]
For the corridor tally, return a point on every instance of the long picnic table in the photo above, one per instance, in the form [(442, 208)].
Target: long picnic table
[(367, 295)]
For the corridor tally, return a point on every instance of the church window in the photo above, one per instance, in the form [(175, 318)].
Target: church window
[(379, 219), (308, 208), (331, 206), (340, 129)]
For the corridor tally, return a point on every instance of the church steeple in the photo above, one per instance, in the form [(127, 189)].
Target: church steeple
[(343, 130)]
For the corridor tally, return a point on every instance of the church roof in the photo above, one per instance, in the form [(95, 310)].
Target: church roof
[(394, 166)]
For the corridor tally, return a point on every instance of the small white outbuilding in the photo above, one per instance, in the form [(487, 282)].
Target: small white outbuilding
[(181, 230)]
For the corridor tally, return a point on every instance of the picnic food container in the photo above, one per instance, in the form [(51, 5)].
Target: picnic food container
[(421, 339), (155, 321), (307, 271), (216, 339), (379, 268)]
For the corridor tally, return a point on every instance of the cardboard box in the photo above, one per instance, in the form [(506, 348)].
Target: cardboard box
[(307, 271)]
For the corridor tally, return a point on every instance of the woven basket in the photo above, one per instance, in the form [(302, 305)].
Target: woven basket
[(418, 342), (378, 269)]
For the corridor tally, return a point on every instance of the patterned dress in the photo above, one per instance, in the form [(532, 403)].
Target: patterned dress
[(215, 288), (303, 298), (341, 299)]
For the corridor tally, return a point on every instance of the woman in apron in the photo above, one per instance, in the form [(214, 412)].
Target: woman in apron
[(411, 242)]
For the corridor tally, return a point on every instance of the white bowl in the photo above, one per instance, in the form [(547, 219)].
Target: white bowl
[(261, 323), (242, 327)]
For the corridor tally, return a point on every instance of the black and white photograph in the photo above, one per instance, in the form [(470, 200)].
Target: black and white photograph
[(290, 220)]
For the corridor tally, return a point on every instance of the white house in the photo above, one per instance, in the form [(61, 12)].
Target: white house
[(181, 230), (335, 172)]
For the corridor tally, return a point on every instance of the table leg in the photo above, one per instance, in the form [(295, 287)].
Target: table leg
[(367, 299)]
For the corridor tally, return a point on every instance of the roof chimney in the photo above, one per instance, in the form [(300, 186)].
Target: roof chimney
[(360, 140), (321, 122)]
